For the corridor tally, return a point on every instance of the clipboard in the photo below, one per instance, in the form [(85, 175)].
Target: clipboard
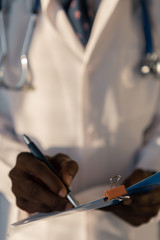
[(143, 186)]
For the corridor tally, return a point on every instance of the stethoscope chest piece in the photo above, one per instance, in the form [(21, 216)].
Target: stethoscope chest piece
[(151, 64)]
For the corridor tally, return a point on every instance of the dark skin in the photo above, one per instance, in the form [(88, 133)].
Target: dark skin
[(139, 209), (37, 189)]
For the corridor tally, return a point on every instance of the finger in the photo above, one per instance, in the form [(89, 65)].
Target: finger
[(33, 208), (66, 167), (30, 208), (68, 171), (134, 216), (137, 176), (147, 211), (38, 195), (147, 199), (27, 163)]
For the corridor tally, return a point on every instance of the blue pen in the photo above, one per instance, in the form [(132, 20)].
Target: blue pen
[(38, 154)]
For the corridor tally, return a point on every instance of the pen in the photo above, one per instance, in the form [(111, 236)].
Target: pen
[(39, 155)]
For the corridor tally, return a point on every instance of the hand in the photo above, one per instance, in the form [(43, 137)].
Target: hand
[(140, 208), (37, 188)]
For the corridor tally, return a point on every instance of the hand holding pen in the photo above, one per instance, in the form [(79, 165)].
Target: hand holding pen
[(37, 188)]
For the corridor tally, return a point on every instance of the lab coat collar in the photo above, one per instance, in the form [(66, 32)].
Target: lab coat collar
[(60, 22), (103, 15)]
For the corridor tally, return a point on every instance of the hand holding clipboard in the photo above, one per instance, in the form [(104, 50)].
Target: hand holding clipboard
[(144, 186)]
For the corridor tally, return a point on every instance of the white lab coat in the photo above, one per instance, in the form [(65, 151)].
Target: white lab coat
[(91, 103)]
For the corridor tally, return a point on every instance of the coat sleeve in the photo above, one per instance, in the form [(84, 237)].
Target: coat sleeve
[(10, 146), (149, 154), (10, 143)]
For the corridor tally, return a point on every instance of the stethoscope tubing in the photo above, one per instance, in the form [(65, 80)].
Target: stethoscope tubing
[(22, 82), (147, 27), (36, 7)]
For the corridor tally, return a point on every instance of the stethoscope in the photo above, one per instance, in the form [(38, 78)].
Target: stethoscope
[(23, 82), (150, 64)]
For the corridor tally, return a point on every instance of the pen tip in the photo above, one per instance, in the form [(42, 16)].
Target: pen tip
[(26, 139)]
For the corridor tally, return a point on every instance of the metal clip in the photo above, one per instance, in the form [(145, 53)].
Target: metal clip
[(151, 64), (115, 180), (118, 192)]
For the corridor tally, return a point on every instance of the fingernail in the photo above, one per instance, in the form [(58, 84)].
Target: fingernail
[(68, 206), (127, 202), (62, 193), (69, 179)]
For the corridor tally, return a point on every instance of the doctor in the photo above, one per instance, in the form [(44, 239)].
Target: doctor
[(88, 102)]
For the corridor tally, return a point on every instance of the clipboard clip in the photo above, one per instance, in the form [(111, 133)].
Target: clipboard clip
[(118, 192)]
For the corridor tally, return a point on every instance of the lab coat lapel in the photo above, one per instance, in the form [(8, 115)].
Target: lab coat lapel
[(61, 23), (103, 15)]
